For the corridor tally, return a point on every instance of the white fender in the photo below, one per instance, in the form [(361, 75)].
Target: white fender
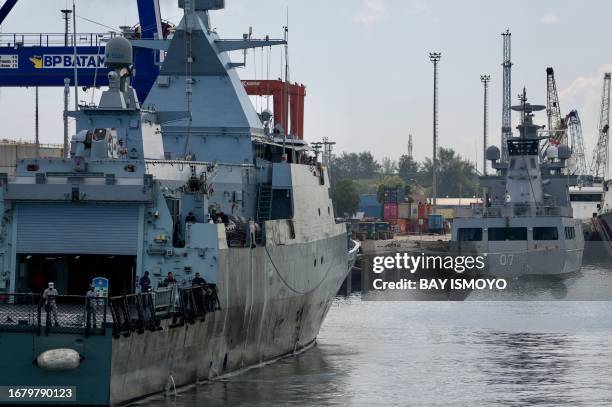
[(59, 359)]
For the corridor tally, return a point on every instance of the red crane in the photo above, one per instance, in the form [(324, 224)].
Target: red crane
[(288, 101)]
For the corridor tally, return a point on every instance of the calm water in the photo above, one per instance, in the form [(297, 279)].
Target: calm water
[(441, 353)]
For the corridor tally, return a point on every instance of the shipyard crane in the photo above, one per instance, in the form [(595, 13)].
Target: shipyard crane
[(557, 130), (599, 165), (574, 128), (507, 96)]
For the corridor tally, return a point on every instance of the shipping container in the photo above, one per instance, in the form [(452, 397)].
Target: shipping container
[(435, 223), (394, 195), (424, 210), (390, 211), (414, 211), (403, 211), (403, 225)]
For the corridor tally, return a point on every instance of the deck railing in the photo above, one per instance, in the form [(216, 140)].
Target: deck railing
[(71, 314), (145, 311), (54, 314), (54, 39)]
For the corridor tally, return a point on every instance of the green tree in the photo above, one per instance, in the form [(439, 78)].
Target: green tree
[(391, 181), (345, 198), (456, 176), (408, 169), (354, 166)]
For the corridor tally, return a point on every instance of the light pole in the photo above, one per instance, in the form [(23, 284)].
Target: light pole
[(485, 82), (435, 58)]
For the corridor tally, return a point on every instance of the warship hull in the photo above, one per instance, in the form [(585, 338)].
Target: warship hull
[(263, 316), (267, 311)]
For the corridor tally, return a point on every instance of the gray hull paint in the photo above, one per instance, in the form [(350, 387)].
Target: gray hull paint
[(264, 315)]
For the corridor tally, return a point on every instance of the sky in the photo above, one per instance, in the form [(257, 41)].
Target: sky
[(366, 67)]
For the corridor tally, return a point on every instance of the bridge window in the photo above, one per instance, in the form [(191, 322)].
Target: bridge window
[(469, 234), (545, 233), (504, 234), (585, 197)]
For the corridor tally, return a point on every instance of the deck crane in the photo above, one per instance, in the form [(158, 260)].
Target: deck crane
[(599, 165), (557, 129), (574, 128)]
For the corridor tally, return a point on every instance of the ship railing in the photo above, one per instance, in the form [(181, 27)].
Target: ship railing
[(73, 314), (197, 301), (146, 311), (20, 312), (134, 312), (61, 314), (516, 210), (54, 39)]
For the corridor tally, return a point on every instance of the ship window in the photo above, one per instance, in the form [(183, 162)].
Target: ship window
[(469, 234), (585, 197), (503, 234), (570, 233), (545, 233)]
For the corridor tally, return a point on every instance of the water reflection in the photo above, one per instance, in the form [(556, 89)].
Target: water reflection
[(525, 366), (468, 353)]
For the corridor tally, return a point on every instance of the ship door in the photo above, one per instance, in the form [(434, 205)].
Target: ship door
[(71, 243), (73, 273)]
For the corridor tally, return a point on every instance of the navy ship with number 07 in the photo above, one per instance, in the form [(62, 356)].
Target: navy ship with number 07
[(191, 180), (526, 224)]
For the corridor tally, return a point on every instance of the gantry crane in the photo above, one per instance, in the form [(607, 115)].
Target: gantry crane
[(599, 166), (574, 128)]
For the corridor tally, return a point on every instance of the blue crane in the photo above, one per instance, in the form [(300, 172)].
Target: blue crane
[(45, 60)]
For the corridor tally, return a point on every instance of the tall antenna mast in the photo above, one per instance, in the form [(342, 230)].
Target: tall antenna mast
[(485, 79), (507, 96), (74, 45), (435, 58), (410, 146), (286, 87)]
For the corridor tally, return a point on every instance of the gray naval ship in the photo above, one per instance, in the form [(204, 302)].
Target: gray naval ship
[(526, 226), (189, 182)]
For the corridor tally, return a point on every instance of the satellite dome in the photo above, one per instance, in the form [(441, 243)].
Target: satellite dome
[(118, 53), (552, 152), (493, 153), (564, 152)]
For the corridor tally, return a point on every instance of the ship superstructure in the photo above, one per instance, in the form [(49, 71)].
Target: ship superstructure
[(526, 225), (187, 182)]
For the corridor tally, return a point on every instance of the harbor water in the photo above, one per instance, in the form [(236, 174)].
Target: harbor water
[(531, 350)]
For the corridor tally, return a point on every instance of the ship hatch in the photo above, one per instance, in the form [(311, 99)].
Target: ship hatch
[(77, 228), (73, 273), (70, 243)]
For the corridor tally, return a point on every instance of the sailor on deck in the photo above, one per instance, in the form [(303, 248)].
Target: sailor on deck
[(49, 301)]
